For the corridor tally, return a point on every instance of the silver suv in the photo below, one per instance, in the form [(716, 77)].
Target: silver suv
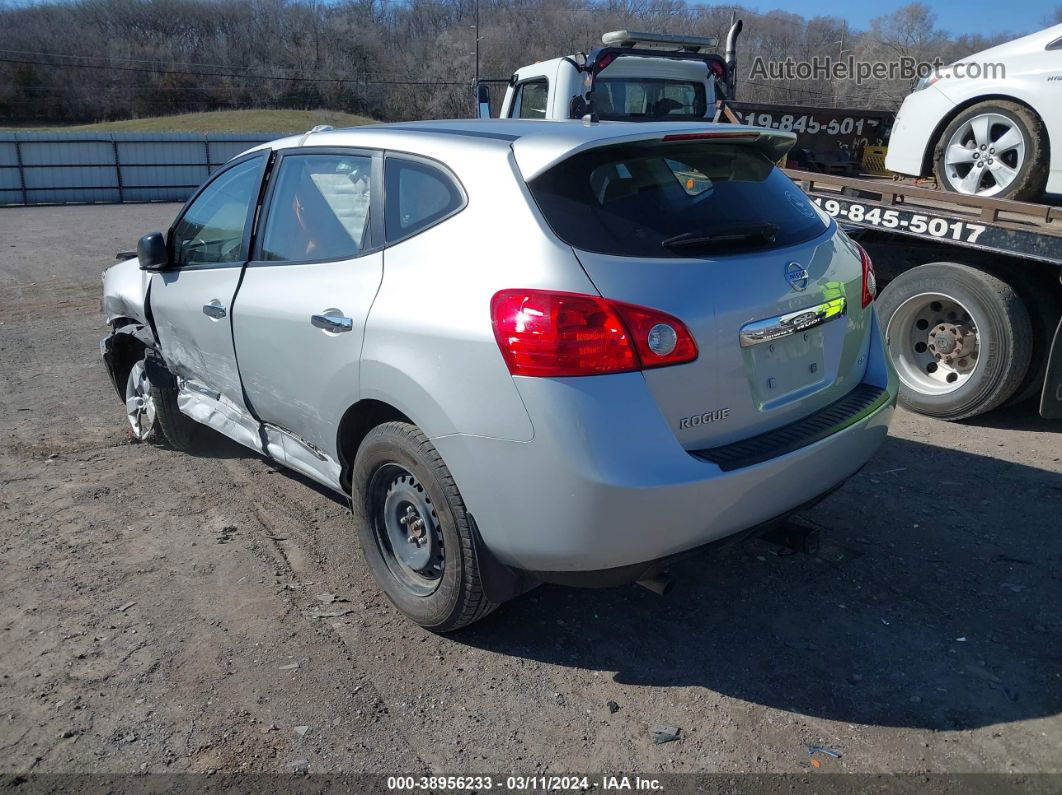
[(529, 351)]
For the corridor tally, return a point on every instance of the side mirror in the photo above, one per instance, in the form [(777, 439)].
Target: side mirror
[(152, 252), (483, 100)]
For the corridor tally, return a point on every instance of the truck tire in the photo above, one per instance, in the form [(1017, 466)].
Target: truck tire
[(1042, 302), (959, 337), (415, 531), (180, 431), (994, 148)]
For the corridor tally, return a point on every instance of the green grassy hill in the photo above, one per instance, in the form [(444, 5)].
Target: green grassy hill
[(222, 121)]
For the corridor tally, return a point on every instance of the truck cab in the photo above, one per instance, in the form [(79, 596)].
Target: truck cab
[(633, 77)]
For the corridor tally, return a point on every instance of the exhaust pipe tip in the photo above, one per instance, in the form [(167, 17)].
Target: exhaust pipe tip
[(659, 583)]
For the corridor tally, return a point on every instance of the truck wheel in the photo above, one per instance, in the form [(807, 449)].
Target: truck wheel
[(414, 529), (180, 430), (960, 339), (1042, 303), (995, 148)]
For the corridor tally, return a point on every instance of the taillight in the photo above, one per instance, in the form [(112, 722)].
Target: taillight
[(554, 334), (870, 281), (605, 60), (660, 339)]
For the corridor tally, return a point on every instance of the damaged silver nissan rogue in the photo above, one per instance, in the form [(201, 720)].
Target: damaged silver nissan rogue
[(527, 351)]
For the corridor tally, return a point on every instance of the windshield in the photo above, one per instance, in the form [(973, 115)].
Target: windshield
[(652, 98), (638, 200)]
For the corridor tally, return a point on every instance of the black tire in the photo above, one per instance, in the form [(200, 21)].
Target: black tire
[(179, 430), (458, 598), (1042, 302), (1003, 326), (1032, 176)]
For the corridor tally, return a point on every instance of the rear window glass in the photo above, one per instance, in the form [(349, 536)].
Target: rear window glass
[(638, 200), (625, 98)]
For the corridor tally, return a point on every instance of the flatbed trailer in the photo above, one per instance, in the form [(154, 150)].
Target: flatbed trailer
[(971, 290)]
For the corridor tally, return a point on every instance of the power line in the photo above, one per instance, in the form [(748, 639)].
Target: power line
[(165, 65), (287, 78)]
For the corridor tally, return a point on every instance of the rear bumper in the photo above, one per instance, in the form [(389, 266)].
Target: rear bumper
[(604, 483), (625, 575), (544, 510)]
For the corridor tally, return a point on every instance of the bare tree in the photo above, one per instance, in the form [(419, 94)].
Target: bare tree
[(88, 60)]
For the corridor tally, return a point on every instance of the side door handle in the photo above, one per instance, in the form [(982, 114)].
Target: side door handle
[(332, 323), (214, 309)]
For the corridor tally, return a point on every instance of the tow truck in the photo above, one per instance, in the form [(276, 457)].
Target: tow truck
[(970, 287)]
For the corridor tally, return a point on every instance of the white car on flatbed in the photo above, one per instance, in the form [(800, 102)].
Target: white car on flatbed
[(988, 135)]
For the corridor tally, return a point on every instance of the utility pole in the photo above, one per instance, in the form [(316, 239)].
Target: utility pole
[(477, 42)]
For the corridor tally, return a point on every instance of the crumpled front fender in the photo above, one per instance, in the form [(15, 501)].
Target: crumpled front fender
[(121, 348)]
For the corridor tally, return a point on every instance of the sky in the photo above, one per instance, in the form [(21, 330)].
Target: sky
[(956, 16)]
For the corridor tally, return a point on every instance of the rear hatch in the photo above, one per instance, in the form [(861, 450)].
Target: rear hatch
[(705, 228)]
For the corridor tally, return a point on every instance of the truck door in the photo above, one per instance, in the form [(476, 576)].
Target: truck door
[(300, 313), (190, 303)]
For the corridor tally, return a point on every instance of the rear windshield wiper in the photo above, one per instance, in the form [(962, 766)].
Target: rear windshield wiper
[(764, 232)]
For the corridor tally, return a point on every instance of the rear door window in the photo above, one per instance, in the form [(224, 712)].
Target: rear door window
[(419, 195), (319, 209), (637, 200)]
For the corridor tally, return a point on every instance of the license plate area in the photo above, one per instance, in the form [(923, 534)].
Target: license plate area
[(787, 369)]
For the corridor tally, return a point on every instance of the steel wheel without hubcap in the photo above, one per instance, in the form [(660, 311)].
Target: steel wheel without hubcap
[(139, 405), (984, 155), (934, 343), (407, 529)]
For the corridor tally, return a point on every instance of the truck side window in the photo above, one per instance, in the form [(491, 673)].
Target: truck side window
[(530, 100), (419, 195), (319, 209)]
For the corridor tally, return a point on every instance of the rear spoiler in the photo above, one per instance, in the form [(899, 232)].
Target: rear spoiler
[(537, 154)]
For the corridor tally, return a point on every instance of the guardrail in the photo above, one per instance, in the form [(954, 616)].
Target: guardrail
[(109, 168)]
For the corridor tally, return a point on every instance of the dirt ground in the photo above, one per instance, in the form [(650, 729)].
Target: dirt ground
[(161, 611)]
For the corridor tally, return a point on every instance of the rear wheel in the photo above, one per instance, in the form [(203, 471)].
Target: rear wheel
[(959, 337), (415, 531)]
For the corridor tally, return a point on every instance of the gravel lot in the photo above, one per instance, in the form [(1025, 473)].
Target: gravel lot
[(159, 611)]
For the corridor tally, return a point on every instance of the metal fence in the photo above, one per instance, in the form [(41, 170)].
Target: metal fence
[(107, 168)]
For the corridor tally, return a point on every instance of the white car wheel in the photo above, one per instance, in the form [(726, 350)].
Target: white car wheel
[(984, 155), (993, 149)]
